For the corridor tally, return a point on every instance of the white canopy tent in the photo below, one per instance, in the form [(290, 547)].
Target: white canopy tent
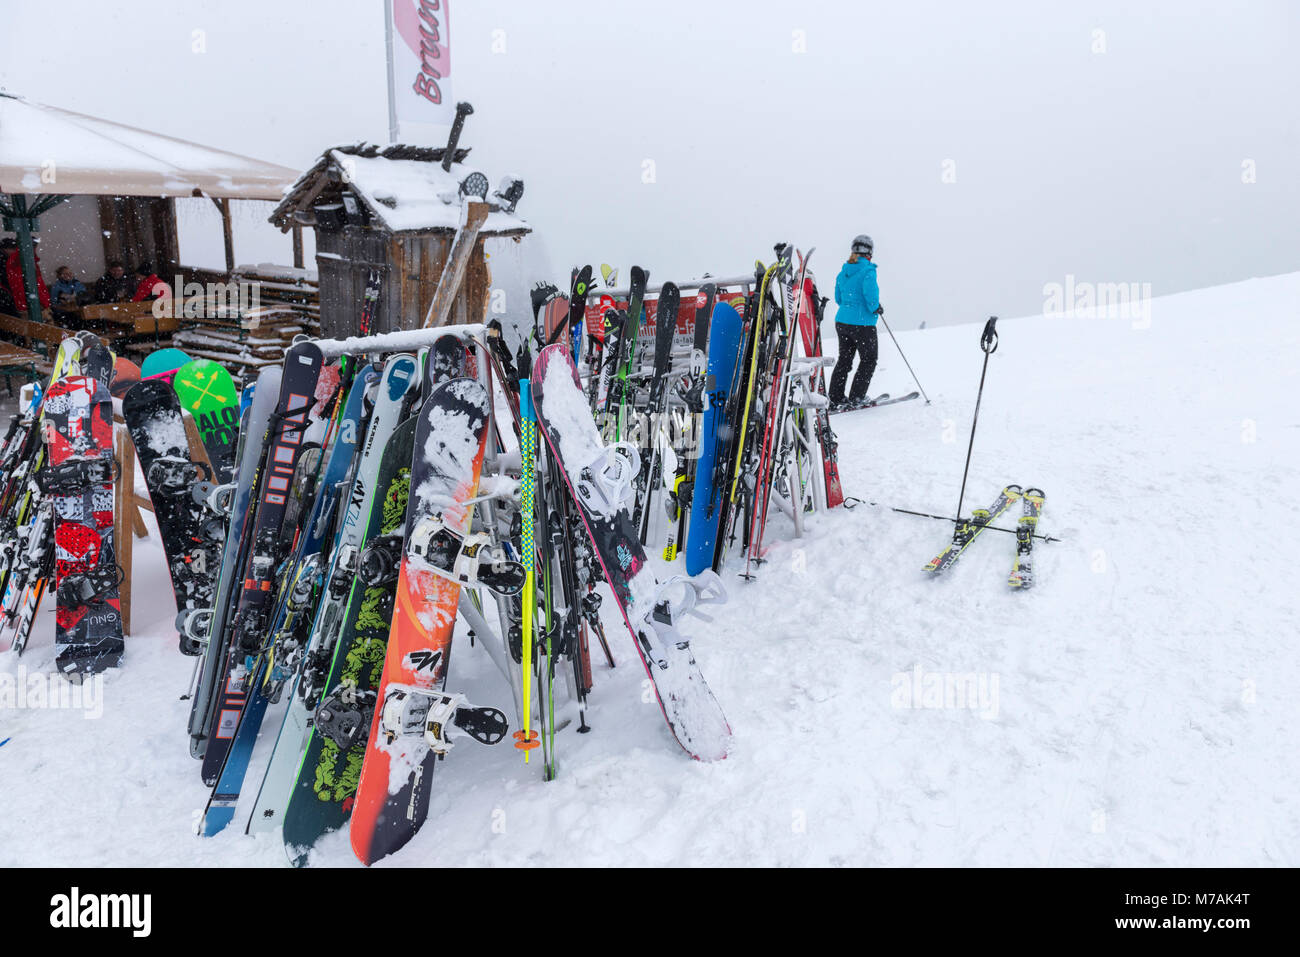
[(44, 149), (48, 154)]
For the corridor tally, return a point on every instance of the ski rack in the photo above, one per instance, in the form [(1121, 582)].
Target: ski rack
[(797, 478), (412, 340), (742, 282), (401, 341)]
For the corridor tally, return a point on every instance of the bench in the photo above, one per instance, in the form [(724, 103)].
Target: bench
[(27, 365), (29, 333), (130, 319)]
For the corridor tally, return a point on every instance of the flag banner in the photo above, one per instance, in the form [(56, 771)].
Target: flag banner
[(419, 71)]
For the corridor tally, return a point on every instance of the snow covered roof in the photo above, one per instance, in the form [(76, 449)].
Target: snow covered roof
[(404, 187), (44, 149)]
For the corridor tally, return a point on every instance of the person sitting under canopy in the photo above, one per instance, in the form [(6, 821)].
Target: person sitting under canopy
[(68, 291), (115, 285), (147, 284)]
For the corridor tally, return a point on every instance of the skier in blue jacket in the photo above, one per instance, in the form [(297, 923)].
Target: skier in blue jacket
[(858, 296)]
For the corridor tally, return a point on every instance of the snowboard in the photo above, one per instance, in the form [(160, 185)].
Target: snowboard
[(304, 687), (97, 361), (692, 713), (162, 362), (236, 500), (78, 480), (325, 788), (282, 444), (691, 391), (125, 375), (207, 393), (709, 491), (27, 516), (178, 488), (448, 359), (393, 794), (285, 637)]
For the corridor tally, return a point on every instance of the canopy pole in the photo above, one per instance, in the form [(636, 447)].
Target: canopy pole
[(227, 235)]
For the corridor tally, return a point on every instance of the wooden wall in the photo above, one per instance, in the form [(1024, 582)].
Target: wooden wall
[(343, 280), (139, 228), (412, 264)]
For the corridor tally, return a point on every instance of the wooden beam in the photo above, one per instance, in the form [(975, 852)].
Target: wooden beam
[(297, 247), (453, 273), (227, 233), (477, 284)]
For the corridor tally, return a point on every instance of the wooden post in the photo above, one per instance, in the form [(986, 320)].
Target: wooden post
[(228, 235), (227, 232), (198, 451), (125, 517), (297, 247), (478, 284), (453, 273)]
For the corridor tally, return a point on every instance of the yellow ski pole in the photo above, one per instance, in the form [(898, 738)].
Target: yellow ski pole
[(526, 739)]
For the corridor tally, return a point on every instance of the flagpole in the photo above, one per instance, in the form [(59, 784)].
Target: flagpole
[(392, 90)]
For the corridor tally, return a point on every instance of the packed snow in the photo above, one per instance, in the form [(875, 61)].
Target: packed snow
[(1135, 708)]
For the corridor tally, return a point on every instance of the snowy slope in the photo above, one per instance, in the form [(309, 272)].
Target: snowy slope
[(1139, 702)]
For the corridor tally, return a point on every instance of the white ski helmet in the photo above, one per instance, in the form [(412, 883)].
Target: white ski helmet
[(862, 245)]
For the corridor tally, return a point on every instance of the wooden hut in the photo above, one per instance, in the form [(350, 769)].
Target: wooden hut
[(404, 211)]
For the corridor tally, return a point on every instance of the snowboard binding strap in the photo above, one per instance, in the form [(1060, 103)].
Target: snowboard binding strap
[(82, 588), (76, 475), (380, 560), (409, 710), (681, 595), (344, 716), (175, 475), (607, 481), (467, 559)]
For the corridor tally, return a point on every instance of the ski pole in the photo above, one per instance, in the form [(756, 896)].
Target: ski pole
[(905, 362), (948, 518), (989, 343), (526, 739)]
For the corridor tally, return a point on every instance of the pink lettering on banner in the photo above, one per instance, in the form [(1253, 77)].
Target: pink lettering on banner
[(422, 25)]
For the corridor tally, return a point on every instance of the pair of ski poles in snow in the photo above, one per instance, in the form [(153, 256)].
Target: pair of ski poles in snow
[(989, 345)]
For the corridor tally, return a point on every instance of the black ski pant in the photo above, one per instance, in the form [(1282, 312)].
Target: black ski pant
[(857, 341)]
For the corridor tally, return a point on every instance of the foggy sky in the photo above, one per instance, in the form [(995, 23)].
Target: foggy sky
[(1116, 166)]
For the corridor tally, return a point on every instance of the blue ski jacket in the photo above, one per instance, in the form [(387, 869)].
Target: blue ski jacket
[(857, 294)]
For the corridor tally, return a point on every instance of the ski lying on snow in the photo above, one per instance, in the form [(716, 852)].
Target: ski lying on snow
[(1022, 575), (968, 530)]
